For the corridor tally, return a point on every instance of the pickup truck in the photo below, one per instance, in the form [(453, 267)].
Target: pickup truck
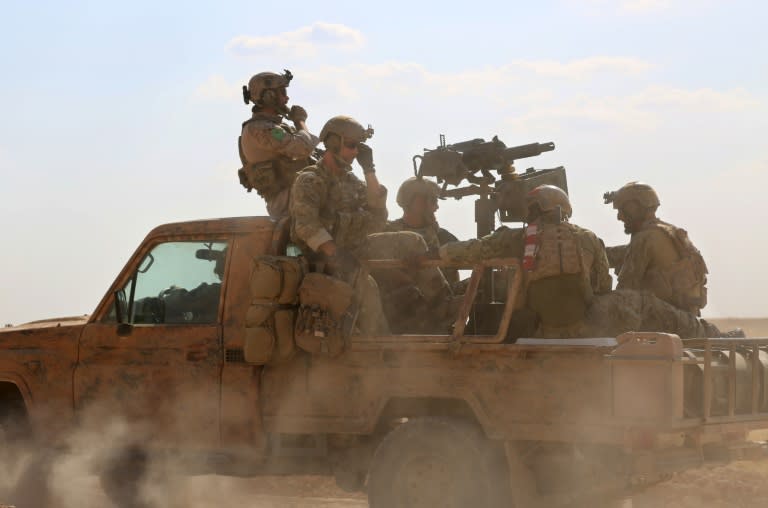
[(414, 420)]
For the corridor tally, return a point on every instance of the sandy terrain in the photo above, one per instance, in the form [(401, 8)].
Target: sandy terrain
[(754, 327)]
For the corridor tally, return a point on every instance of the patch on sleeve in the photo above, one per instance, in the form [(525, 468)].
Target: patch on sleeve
[(278, 133)]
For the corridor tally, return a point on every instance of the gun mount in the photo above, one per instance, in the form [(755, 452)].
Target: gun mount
[(487, 167)]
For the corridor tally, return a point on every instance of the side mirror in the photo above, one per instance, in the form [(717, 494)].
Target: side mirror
[(124, 327)]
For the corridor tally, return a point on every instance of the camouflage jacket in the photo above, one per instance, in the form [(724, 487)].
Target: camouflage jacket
[(661, 259), (272, 153), (328, 207), (506, 242)]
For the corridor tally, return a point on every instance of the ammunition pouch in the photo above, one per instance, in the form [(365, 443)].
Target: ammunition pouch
[(269, 333), (351, 229), (262, 176), (326, 314)]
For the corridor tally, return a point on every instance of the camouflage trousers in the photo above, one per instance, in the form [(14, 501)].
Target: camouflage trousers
[(427, 289), (628, 310)]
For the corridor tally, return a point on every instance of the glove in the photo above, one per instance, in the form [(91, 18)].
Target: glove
[(365, 158), (297, 114)]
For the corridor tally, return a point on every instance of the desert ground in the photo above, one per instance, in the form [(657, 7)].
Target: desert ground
[(736, 485)]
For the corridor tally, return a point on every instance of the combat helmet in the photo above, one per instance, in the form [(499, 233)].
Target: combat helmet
[(643, 193), (549, 197), (415, 186), (347, 128), (263, 81)]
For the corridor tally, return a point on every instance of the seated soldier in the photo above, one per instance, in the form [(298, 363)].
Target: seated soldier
[(566, 285), (418, 197), (335, 218)]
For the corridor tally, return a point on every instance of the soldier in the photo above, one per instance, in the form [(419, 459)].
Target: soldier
[(335, 217), (272, 152), (566, 281), (660, 257), (418, 198), (564, 265)]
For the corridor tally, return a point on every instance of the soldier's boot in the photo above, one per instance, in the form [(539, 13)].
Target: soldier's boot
[(713, 332)]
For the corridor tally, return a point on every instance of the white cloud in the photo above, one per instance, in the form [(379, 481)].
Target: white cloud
[(703, 99), (585, 67), (302, 43)]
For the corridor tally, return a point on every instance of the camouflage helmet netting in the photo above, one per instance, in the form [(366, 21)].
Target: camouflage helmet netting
[(415, 186), (549, 197)]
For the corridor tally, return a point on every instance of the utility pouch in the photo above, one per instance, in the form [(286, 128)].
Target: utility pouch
[(285, 346), (262, 176), (259, 344), (277, 278), (258, 313), (324, 321)]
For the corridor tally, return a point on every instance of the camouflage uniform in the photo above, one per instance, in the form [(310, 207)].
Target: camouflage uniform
[(327, 207), (608, 313), (434, 236), (272, 153), (661, 259), (559, 298)]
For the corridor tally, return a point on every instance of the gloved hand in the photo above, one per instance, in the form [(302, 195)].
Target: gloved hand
[(297, 114), (365, 158)]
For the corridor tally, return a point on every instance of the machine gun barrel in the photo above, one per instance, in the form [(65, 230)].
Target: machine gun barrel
[(524, 151)]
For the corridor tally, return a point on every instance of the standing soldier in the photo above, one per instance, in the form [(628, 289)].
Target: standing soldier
[(271, 151), (660, 258), (418, 199)]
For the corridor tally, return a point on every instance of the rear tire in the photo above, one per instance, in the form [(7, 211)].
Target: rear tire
[(431, 462), (122, 476)]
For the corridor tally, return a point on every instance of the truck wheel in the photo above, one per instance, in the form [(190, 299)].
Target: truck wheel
[(429, 462), (122, 475)]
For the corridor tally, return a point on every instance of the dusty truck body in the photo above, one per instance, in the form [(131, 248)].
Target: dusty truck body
[(417, 420)]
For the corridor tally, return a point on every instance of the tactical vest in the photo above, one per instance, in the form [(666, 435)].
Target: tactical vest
[(682, 283), (267, 171), (557, 284)]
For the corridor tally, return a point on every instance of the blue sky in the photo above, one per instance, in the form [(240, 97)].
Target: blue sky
[(119, 116)]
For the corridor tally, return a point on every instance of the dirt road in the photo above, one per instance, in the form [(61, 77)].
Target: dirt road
[(738, 485)]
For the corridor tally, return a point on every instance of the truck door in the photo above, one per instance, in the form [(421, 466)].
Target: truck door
[(155, 357)]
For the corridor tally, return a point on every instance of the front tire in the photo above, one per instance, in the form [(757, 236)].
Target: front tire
[(430, 462)]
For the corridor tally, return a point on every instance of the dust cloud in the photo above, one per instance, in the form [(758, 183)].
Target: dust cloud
[(69, 474)]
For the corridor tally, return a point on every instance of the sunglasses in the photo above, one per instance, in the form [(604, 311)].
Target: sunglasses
[(351, 144)]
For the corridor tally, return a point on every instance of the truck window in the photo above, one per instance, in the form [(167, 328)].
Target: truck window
[(177, 282)]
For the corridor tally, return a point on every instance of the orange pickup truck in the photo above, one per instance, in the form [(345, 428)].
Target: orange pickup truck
[(174, 351)]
